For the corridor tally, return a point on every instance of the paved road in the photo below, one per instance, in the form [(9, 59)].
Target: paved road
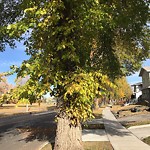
[(134, 118), (26, 132)]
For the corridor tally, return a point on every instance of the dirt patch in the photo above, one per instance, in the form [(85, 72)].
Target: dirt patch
[(131, 110), (128, 117), (87, 146), (48, 146), (136, 123), (147, 140), (97, 146), (12, 109), (93, 126), (98, 113)]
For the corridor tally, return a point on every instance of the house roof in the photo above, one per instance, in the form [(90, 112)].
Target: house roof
[(147, 69)]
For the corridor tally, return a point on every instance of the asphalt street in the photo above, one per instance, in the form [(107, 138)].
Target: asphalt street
[(134, 118), (27, 132)]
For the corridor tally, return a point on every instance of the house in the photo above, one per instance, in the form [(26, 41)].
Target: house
[(145, 74), (137, 90)]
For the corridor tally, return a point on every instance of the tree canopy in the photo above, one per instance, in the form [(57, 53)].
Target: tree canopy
[(5, 88), (69, 34), (67, 38), (10, 12)]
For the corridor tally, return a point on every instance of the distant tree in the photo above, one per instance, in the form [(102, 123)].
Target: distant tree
[(122, 89), (21, 81), (22, 92), (5, 87)]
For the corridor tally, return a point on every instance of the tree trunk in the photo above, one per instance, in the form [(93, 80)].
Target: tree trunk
[(96, 104), (27, 107), (68, 137)]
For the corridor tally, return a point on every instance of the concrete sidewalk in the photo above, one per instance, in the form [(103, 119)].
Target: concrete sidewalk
[(141, 131), (94, 134), (120, 137)]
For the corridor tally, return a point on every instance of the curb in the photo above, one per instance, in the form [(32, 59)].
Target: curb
[(43, 145), (140, 126)]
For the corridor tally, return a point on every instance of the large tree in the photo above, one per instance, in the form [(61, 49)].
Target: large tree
[(72, 46)]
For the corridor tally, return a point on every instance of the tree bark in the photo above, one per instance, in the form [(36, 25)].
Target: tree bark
[(96, 104), (68, 137)]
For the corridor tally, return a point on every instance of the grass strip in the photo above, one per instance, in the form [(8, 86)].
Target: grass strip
[(102, 145), (129, 124), (146, 140)]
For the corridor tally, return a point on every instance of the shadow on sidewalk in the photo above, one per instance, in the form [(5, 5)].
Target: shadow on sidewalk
[(115, 128)]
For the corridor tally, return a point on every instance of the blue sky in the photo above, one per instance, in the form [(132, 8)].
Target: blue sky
[(135, 77), (16, 56), (12, 57)]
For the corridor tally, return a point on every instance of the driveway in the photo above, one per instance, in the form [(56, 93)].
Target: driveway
[(134, 118)]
